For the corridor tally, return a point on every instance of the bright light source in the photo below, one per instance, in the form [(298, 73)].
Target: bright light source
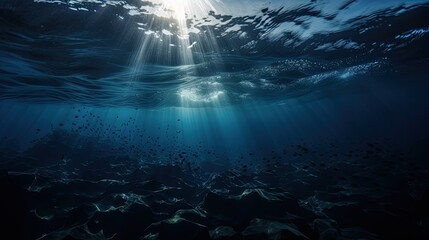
[(181, 9), (197, 95)]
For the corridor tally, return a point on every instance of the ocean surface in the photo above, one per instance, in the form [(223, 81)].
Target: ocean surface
[(214, 119)]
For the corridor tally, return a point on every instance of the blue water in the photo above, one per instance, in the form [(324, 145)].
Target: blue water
[(224, 82), (339, 63)]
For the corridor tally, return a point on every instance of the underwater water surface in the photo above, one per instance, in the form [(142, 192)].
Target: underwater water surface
[(214, 119)]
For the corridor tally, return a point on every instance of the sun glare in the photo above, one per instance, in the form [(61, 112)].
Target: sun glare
[(182, 9), (179, 40)]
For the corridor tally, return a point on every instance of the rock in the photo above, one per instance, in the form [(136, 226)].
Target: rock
[(250, 204), (176, 228), (232, 180), (388, 226), (168, 207), (302, 225), (78, 215), (264, 229), (348, 215), (170, 175), (69, 237), (324, 224), (329, 234), (300, 188), (193, 215), (126, 224), (15, 211), (50, 148), (404, 206), (360, 233), (223, 233), (136, 175)]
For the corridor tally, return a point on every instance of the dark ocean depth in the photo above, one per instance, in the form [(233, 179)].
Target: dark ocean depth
[(214, 119)]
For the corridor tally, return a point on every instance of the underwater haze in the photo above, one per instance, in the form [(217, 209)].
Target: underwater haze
[(214, 119)]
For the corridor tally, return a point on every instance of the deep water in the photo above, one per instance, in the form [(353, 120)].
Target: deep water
[(214, 119)]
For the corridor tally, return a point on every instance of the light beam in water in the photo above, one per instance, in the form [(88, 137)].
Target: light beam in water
[(174, 45)]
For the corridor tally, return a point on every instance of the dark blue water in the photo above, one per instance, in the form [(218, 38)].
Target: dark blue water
[(214, 119)]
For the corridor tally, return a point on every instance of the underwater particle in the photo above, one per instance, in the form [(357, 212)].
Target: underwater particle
[(178, 119)]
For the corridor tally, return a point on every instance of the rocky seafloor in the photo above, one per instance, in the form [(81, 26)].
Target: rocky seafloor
[(54, 191)]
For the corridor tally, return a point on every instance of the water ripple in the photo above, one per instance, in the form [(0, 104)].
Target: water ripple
[(154, 53)]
